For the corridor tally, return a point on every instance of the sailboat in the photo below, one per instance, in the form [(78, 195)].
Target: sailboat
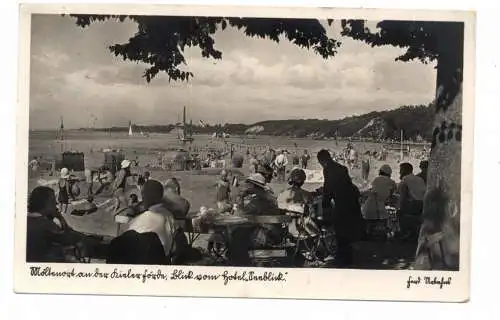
[(187, 133), (61, 130), (61, 135)]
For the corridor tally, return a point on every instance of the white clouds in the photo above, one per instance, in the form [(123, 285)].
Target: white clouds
[(74, 75), (50, 58)]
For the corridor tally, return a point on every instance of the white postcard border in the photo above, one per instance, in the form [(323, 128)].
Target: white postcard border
[(299, 283)]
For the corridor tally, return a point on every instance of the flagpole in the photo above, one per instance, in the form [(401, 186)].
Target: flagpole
[(401, 151)]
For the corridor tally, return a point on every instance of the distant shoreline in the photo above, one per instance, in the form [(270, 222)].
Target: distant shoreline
[(416, 123), (242, 136)]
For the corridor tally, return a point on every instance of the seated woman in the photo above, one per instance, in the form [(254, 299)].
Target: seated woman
[(381, 191), (47, 231), (294, 200)]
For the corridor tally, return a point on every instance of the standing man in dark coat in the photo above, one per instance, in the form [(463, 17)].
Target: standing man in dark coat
[(346, 216)]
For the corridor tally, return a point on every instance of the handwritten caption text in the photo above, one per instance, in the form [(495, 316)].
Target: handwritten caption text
[(428, 281), (159, 275)]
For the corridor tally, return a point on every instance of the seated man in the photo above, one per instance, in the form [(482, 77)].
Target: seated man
[(179, 206), (47, 231), (140, 244), (173, 201), (411, 192), (255, 198)]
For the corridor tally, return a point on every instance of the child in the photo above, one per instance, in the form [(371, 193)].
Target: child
[(223, 191)]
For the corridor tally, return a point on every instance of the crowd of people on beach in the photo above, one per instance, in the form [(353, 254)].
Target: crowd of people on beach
[(157, 210)]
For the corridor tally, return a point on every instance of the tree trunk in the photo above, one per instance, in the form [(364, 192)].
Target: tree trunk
[(439, 241)]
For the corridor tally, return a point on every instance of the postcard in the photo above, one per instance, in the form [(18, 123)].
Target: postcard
[(259, 152)]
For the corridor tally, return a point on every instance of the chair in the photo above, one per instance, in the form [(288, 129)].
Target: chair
[(313, 237), (272, 254)]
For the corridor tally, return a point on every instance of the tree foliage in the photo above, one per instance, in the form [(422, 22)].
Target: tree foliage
[(161, 41), (419, 38)]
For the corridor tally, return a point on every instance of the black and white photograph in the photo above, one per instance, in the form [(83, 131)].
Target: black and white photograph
[(224, 141)]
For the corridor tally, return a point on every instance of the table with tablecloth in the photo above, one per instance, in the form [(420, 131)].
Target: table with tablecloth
[(220, 225)]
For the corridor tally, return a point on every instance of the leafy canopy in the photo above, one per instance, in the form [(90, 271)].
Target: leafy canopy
[(160, 41)]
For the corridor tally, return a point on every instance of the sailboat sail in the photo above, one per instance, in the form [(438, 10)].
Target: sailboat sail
[(130, 133)]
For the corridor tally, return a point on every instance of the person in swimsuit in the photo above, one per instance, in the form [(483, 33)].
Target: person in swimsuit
[(119, 186), (64, 191)]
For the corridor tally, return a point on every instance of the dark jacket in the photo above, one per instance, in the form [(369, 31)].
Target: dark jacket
[(338, 186), (137, 248), (423, 175)]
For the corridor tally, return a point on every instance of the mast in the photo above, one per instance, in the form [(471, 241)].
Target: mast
[(61, 134), (401, 145), (190, 129), (61, 130), (184, 131), (177, 126)]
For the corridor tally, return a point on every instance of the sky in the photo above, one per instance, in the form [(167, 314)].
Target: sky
[(73, 75)]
